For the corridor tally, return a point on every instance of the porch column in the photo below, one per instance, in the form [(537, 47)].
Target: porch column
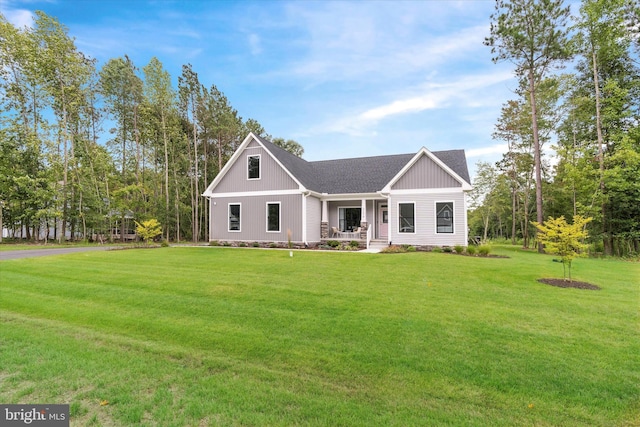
[(324, 222), (363, 220)]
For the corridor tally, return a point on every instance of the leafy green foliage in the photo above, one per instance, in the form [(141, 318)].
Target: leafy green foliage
[(148, 229), (564, 239), (484, 250)]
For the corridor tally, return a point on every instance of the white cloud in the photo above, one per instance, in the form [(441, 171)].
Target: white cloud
[(401, 106), (346, 41), (20, 18), (255, 45), (485, 151), (437, 96)]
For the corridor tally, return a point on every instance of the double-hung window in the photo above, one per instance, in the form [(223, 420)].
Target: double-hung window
[(406, 217), (444, 217), (234, 216), (273, 216), (253, 167)]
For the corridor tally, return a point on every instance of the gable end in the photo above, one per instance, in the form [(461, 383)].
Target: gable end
[(425, 173)]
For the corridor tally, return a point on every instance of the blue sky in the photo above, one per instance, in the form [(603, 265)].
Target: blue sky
[(344, 79)]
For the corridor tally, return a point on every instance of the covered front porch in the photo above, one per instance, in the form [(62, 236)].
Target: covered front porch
[(349, 218)]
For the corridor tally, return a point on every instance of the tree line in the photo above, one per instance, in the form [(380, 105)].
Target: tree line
[(590, 115), (63, 175)]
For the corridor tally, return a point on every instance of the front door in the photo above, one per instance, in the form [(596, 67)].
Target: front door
[(383, 222)]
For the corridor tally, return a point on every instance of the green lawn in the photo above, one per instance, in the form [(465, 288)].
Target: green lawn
[(221, 336)]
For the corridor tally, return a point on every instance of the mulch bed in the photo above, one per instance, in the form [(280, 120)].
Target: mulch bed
[(565, 284)]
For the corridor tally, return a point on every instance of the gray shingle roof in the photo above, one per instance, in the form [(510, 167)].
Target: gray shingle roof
[(357, 175)]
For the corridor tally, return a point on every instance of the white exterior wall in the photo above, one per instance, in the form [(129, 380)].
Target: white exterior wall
[(425, 218)]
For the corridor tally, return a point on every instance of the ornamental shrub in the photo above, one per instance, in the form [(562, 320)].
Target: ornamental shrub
[(471, 250), (393, 249), (333, 243), (148, 229), (483, 250), (564, 239), (459, 249)]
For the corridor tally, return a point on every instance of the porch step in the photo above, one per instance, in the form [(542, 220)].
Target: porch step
[(376, 245)]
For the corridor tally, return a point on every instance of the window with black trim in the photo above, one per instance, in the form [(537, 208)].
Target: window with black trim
[(444, 217), (273, 216), (406, 218), (253, 164), (349, 218), (234, 216)]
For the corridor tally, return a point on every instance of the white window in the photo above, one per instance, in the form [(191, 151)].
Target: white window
[(406, 218), (444, 217), (253, 167), (234, 216), (273, 217)]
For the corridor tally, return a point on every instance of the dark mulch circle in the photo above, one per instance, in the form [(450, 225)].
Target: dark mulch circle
[(565, 284)]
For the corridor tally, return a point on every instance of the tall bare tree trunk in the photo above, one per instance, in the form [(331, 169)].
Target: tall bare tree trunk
[(536, 152), (196, 225), (606, 240), (166, 172)]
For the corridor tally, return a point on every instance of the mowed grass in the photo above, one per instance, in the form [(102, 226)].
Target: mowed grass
[(221, 336)]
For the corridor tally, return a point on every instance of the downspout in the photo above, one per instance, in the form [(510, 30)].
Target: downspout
[(305, 194)]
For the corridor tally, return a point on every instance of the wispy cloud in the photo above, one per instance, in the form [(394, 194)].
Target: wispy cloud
[(254, 44), (345, 41), (20, 18), (485, 151), (461, 92)]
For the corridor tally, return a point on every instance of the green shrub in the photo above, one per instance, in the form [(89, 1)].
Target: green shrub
[(437, 250), (214, 243), (447, 249), (226, 244), (273, 245), (333, 243), (164, 244), (411, 248), (255, 244), (242, 245), (354, 244), (459, 249), (471, 250), (484, 250)]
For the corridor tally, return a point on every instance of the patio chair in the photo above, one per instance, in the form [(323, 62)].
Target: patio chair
[(334, 231)]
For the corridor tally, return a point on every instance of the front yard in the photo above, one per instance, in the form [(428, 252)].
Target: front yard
[(225, 336)]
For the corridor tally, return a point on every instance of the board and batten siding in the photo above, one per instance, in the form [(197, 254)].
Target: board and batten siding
[(425, 219), (425, 173), (314, 217), (253, 218), (272, 176)]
